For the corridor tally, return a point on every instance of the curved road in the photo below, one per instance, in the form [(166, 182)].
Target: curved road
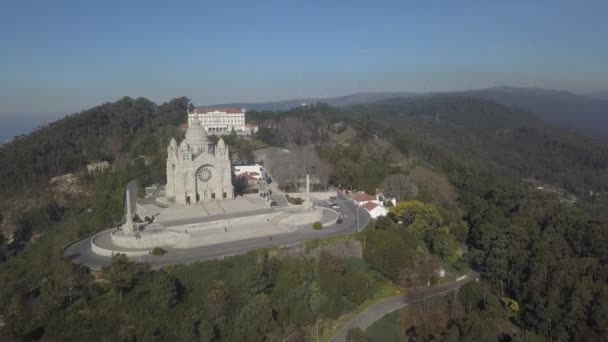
[(388, 305), (80, 251)]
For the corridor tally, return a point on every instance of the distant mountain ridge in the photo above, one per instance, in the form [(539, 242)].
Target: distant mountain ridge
[(601, 95), (585, 114), (579, 112), (338, 101)]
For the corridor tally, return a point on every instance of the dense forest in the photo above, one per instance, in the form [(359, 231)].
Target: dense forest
[(456, 164)]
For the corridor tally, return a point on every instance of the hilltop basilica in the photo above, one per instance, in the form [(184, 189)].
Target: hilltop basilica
[(198, 170)]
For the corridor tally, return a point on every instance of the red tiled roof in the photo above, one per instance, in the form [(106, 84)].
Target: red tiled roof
[(363, 197), (369, 206)]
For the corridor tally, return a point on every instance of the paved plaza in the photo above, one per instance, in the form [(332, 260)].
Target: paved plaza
[(80, 252), (202, 210), (209, 223)]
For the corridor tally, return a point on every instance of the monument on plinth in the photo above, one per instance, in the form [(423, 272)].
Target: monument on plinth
[(129, 226), (307, 200)]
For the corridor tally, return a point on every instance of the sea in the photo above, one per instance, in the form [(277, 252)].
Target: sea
[(16, 125)]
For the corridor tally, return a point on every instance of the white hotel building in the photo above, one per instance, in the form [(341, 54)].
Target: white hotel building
[(219, 120)]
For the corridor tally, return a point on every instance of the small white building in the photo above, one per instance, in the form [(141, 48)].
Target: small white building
[(372, 204), (375, 210), (256, 171), (98, 166), (251, 129)]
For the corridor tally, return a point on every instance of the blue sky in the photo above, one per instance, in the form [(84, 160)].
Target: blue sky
[(64, 56)]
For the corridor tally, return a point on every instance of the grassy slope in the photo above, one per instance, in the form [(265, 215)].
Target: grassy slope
[(385, 329)]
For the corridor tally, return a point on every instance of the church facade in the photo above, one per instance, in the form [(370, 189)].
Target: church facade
[(198, 170)]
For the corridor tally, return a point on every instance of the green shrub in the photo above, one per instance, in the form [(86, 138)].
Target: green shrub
[(355, 286), (294, 200), (273, 204), (317, 225), (157, 251)]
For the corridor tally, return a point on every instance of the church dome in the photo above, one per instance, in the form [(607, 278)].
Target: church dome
[(196, 134)]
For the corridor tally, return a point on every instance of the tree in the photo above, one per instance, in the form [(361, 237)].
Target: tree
[(2, 241), (216, 305), (440, 242), (418, 271), (399, 186), (330, 270), (165, 289), (122, 274), (254, 321), (386, 252), (240, 185), (267, 135), (417, 216), (355, 286), (206, 331), (294, 131), (114, 146)]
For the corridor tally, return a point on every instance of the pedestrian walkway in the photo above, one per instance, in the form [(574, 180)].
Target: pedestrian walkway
[(388, 305)]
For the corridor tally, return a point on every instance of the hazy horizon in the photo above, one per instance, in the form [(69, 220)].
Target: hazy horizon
[(15, 124)]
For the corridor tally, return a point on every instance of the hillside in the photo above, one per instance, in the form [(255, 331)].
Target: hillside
[(112, 131), (585, 114), (582, 113), (456, 163), (494, 137)]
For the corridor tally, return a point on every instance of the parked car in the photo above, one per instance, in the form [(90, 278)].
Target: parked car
[(335, 206)]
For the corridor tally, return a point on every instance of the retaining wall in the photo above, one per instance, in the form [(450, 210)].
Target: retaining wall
[(110, 252), (225, 222), (148, 239), (319, 196)]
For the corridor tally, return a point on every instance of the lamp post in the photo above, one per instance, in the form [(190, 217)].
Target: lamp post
[(358, 218)]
